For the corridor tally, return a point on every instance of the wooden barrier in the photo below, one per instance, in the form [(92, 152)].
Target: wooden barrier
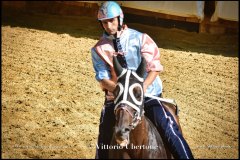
[(78, 8), (73, 8)]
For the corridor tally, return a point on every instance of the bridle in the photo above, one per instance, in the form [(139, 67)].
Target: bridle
[(128, 98)]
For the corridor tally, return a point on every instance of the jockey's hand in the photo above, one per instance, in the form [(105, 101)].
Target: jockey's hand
[(110, 96)]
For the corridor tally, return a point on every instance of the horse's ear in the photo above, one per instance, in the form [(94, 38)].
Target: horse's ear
[(117, 67), (141, 68)]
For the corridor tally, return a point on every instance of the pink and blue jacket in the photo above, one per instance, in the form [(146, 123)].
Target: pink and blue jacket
[(134, 44)]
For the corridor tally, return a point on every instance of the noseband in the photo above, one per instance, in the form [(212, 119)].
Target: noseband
[(135, 116)]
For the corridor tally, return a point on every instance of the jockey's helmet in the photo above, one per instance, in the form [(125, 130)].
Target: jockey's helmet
[(110, 9)]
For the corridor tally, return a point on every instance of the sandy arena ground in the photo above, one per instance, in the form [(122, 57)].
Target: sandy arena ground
[(51, 101)]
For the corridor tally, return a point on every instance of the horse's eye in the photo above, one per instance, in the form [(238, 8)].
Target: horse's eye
[(137, 93), (116, 91)]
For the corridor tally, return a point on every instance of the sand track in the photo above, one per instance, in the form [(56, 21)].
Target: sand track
[(51, 101)]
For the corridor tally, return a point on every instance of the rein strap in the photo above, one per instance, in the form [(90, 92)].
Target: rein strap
[(172, 101)]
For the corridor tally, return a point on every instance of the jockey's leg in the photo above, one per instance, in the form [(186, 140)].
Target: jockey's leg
[(107, 122), (168, 129)]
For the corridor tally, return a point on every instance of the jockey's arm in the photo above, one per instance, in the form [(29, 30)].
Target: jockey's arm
[(108, 84), (149, 79)]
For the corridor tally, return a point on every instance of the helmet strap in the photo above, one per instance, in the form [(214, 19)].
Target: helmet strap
[(119, 25)]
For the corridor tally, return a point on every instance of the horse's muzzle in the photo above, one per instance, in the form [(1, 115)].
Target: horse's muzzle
[(122, 135)]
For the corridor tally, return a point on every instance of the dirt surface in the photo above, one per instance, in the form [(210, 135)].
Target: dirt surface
[(51, 101)]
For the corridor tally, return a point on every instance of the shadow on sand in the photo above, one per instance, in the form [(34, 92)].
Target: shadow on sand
[(176, 39)]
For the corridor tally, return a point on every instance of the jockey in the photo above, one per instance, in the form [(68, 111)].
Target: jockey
[(129, 45)]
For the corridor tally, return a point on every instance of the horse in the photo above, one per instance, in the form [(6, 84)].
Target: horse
[(134, 135)]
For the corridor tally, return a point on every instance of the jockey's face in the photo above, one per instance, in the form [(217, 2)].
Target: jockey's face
[(110, 25)]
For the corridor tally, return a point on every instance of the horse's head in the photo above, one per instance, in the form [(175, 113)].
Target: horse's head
[(128, 100)]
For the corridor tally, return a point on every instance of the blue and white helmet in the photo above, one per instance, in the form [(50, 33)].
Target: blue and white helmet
[(110, 10)]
